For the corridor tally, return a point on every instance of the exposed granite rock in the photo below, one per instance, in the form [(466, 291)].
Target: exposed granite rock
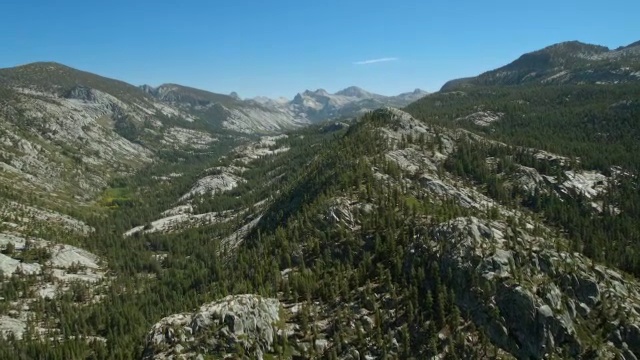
[(213, 184), (482, 118), (181, 138), (267, 145), (247, 321), (179, 222), (530, 298)]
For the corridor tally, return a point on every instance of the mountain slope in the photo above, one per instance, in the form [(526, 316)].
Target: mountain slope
[(393, 237), (61, 80), (383, 247), (57, 119), (227, 112), (491, 221), (564, 63), (179, 94), (67, 132), (595, 123)]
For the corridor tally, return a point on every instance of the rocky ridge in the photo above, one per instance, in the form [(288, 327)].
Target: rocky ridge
[(264, 115), (514, 278), (570, 62), (247, 323), (521, 268)]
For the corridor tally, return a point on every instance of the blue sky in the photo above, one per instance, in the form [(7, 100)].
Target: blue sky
[(278, 48)]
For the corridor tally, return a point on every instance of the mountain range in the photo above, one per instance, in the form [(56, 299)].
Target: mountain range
[(497, 218), (57, 118), (277, 114)]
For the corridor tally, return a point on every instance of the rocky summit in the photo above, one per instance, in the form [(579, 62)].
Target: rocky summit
[(495, 219), (242, 322)]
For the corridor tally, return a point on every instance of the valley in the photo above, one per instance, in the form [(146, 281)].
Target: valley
[(496, 218)]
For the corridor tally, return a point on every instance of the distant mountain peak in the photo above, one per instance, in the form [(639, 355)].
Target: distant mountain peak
[(264, 100), (572, 48), (44, 65), (413, 95), (354, 91)]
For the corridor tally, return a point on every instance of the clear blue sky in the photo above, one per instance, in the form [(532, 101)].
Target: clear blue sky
[(278, 48)]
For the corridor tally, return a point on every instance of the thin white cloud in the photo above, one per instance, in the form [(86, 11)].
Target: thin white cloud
[(373, 61)]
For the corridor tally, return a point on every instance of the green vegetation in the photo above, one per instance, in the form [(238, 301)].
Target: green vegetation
[(333, 264), (570, 62), (596, 125), (353, 230), (332, 261), (599, 124), (116, 197), (62, 80)]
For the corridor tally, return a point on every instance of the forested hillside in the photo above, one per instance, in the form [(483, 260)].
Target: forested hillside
[(594, 126), (598, 123), (392, 238), (498, 218)]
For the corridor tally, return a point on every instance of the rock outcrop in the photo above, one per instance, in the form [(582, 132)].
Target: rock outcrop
[(236, 324), (531, 297), (213, 184), (482, 118)]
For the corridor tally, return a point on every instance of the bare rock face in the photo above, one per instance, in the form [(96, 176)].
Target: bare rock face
[(482, 118), (66, 134), (213, 184), (533, 325), (179, 137), (67, 263), (81, 93), (344, 211), (217, 328)]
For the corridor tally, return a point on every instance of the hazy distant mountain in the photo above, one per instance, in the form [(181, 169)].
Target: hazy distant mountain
[(356, 92), (570, 62), (227, 111), (265, 114), (416, 94), (266, 100), (174, 93), (320, 105), (261, 115)]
